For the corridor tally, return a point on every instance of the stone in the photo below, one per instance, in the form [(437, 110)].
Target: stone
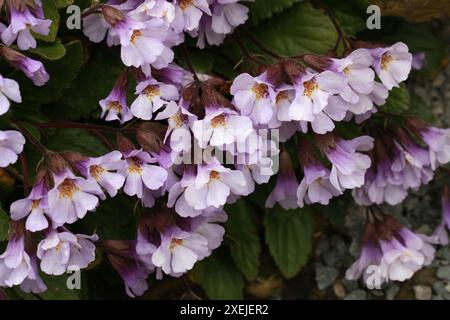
[(392, 292), (358, 294), (325, 276), (339, 290), (443, 273), (422, 292)]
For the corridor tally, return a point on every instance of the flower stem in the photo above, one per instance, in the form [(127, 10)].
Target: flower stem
[(260, 45), (189, 63), (75, 125), (341, 34), (30, 137)]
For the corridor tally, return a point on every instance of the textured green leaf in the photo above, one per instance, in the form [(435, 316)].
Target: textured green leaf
[(57, 288), (351, 14), (93, 83), (50, 12), (245, 244), (63, 3), (399, 101), (76, 140), (289, 237), (423, 39), (301, 29), (265, 9), (4, 225), (218, 276), (61, 72), (50, 51), (113, 219)]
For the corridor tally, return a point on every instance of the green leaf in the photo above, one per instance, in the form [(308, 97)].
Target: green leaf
[(265, 9), (399, 101), (113, 219), (50, 51), (299, 30), (289, 237), (93, 83), (421, 109), (245, 244), (351, 14), (57, 288), (61, 72), (4, 225), (63, 3), (76, 140), (50, 12), (218, 276)]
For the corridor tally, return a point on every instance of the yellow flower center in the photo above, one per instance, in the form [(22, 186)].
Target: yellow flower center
[(309, 87), (281, 96), (175, 243), (115, 105), (346, 71), (386, 60), (260, 90), (214, 175), (135, 165), (67, 188), (35, 204), (135, 35), (96, 171), (59, 246), (184, 4), (151, 91), (219, 121), (178, 119)]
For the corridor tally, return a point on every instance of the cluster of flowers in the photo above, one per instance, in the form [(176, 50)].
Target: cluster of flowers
[(24, 17), (177, 169), (146, 30), (403, 160)]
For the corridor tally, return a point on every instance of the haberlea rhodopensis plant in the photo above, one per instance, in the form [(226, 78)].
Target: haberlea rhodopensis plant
[(171, 139)]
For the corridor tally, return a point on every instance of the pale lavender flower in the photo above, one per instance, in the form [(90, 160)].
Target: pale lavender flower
[(392, 64), (179, 251), (358, 77), (178, 133), (348, 165), (34, 208), (11, 144), (114, 106), (213, 185), (394, 249), (285, 191), (312, 93), (188, 14), (64, 251), (254, 97), (104, 171), (316, 187), (33, 69), (441, 232), (141, 173), (152, 96), (15, 263), (72, 197), (221, 127), (22, 22), (9, 90), (125, 260)]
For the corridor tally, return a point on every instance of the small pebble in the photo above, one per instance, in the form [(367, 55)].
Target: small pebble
[(443, 273), (325, 276), (422, 292), (339, 290), (357, 295)]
